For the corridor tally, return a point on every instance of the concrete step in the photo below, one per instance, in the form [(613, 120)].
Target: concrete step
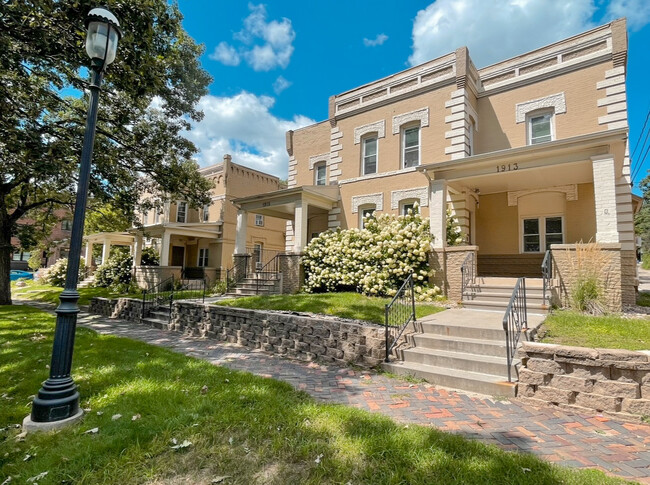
[(485, 364), (156, 323), (476, 346), (475, 330), (454, 379), (480, 304), (254, 292), (502, 297), (508, 282), (253, 285)]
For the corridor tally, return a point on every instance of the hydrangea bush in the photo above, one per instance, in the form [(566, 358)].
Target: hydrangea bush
[(454, 232), (375, 260), (115, 273), (55, 274)]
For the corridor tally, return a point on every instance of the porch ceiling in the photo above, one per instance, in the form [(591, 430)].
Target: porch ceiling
[(114, 238), (210, 230), (282, 203)]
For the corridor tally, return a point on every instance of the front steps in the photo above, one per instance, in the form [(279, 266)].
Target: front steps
[(494, 293), (257, 284), (459, 349), (87, 282), (158, 318)]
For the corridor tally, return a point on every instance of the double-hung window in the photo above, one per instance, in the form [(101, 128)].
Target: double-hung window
[(203, 257), (259, 220), (206, 212), (321, 173), (181, 211), (411, 147), (540, 232), (540, 128), (369, 155), (366, 213)]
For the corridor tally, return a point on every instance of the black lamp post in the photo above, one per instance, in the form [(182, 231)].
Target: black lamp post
[(58, 400)]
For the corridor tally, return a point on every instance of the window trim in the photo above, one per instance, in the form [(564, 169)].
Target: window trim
[(411, 201), (403, 131), (369, 137), (542, 229), (205, 211), (203, 257), (261, 220), (66, 225), (178, 205), (316, 167), (362, 209), (470, 136), (529, 127)]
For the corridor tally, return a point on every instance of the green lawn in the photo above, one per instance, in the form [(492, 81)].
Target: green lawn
[(643, 299), (344, 305), (252, 429), (610, 332), (50, 294)]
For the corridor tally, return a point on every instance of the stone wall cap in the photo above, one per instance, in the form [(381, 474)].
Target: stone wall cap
[(451, 249), (574, 246), (622, 355)]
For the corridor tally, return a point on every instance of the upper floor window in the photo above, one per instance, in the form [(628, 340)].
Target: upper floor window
[(540, 128), (259, 220), (365, 213), (369, 155), (203, 257), (206, 212), (156, 216), (181, 211), (321, 173), (470, 137), (411, 147), (66, 225)]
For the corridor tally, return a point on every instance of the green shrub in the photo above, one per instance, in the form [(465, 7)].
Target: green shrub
[(55, 274), (116, 273), (150, 257), (645, 261)]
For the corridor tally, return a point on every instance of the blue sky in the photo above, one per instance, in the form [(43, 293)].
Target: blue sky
[(275, 64)]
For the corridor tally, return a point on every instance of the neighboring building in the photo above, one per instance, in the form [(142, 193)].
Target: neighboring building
[(58, 242), (529, 152), (205, 237)]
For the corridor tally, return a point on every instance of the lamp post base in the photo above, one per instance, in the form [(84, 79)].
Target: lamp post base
[(30, 426)]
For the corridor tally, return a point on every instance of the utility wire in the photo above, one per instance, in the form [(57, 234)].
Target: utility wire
[(642, 161), (641, 134), (638, 166)]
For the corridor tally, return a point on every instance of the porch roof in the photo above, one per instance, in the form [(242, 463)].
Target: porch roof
[(510, 169), (114, 238), (210, 230), (282, 203)]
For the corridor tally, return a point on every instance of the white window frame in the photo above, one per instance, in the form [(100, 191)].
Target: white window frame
[(205, 213), (542, 232), (363, 209), (258, 253), (202, 260), (156, 216), (407, 202), (404, 129), (317, 167), (529, 125), (374, 137), (178, 206), (259, 220), (470, 136)]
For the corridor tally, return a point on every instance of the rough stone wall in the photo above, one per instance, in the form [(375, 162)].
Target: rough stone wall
[(150, 276), (292, 272), (447, 263), (615, 382), (565, 271), (302, 337), (629, 277), (124, 308)]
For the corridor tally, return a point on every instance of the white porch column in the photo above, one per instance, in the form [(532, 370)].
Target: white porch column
[(106, 250), (605, 198), (89, 253), (300, 226), (137, 251), (240, 238), (164, 249), (438, 212)]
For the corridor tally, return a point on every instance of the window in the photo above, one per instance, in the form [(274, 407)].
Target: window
[(369, 156), (540, 128), (66, 225), (364, 214), (206, 212), (409, 206), (257, 254), (21, 256), (181, 211), (259, 220), (470, 135), (321, 173), (411, 147), (203, 257), (540, 233), (156, 216)]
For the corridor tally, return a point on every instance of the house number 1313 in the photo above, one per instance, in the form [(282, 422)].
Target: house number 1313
[(507, 168)]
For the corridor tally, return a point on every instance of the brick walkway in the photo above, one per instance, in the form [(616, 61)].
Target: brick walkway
[(561, 437)]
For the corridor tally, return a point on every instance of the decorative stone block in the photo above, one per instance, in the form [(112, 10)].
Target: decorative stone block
[(545, 366), (636, 406), (598, 402), (572, 383), (555, 396), (527, 376), (617, 389)]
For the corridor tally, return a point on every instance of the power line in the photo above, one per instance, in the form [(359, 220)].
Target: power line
[(638, 166), (641, 134), (642, 161)]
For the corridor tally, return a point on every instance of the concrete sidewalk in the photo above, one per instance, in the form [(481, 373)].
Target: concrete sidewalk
[(581, 441)]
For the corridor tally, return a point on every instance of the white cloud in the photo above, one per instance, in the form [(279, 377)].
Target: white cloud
[(280, 84), (636, 11), (379, 40), (243, 126), (494, 30), (226, 54), (264, 45)]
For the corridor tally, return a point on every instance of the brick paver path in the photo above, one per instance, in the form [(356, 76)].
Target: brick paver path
[(616, 447)]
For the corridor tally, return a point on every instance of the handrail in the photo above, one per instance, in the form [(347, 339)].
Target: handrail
[(468, 274), (547, 275), (398, 314), (514, 321), (193, 289), (274, 264), (158, 294), (237, 273)]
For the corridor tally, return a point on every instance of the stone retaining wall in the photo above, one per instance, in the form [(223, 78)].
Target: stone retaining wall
[(615, 382), (123, 308)]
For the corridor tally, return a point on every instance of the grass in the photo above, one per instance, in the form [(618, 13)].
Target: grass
[(344, 305), (609, 332), (50, 294), (643, 298), (252, 429)]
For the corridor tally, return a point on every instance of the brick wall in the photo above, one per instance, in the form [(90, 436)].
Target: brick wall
[(615, 382), (292, 272)]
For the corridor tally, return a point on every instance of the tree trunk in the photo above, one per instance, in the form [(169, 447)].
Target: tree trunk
[(5, 265)]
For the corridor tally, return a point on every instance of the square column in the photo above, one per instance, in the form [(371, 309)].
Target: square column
[(438, 212), (106, 250), (300, 226), (605, 198), (137, 251), (240, 237), (164, 249), (89, 254)]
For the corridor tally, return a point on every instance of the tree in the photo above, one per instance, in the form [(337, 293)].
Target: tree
[(642, 218), (105, 218), (149, 97)]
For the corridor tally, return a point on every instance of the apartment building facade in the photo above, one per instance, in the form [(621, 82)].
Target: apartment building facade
[(530, 154)]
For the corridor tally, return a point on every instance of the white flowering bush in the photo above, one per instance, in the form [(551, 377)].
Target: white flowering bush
[(454, 232), (55, 274), (375, 260)]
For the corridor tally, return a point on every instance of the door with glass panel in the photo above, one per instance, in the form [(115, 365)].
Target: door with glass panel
[(538, 233)]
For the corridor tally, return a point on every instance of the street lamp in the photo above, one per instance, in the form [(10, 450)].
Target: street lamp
[(57, 403)]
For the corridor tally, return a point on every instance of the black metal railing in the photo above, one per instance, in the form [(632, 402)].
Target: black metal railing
[(270, 269), (238, 272), (547, 277), (514, 321), (398, 314), (260, 257), (159, 295), (468, 275), (194, 289), (193, 273)]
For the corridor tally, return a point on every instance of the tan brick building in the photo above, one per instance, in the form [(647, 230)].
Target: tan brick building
[(530, 153)]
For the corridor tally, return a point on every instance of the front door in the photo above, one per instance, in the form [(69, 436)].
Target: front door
[(178, 255)]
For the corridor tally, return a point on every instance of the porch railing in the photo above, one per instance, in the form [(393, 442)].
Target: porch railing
[(398, 314), (159, 295), (547, 276), (261, 257), (514, 321), (468, 274), (238, 272), (194, 289), (271, 268)]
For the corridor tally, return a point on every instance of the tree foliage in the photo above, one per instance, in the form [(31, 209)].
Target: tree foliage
[(148, 99), (642, 218)]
